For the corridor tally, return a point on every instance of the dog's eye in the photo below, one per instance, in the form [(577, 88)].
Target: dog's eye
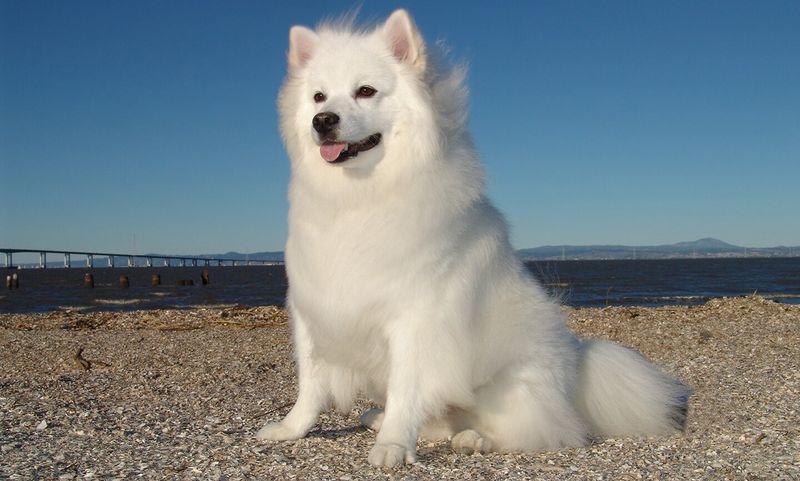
[(319, 97), (365, 92)]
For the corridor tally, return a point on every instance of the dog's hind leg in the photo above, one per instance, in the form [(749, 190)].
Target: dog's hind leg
[(372, 419), (470, 441), (526, 411)]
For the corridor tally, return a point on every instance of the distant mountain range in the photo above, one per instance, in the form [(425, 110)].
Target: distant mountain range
[(707, 247), (272, 256), (702, 248)]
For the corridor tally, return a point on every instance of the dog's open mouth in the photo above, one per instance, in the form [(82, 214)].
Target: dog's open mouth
[(335, 152)]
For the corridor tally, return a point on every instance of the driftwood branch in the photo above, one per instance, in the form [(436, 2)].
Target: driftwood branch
[(86, 364)]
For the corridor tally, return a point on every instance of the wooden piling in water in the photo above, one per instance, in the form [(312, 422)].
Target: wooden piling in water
[(9, 284), (204, 277), (15, 280), (155, 280), (88, 280), (124, 282)]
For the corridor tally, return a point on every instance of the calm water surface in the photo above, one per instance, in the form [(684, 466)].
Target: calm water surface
[(576, 283)]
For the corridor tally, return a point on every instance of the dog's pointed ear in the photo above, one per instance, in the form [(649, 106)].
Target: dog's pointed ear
[(404, 39), (302, 43)]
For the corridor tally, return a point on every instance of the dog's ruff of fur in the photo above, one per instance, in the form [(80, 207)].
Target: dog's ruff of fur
[(403, 284)]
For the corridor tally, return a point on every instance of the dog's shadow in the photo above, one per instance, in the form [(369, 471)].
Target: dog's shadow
[(336, 433)]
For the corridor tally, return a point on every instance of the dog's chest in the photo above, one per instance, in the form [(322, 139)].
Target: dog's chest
[(346, 272), (353, 273), (341, 290)]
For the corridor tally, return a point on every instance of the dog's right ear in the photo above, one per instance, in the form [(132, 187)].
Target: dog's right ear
[(302, 43)]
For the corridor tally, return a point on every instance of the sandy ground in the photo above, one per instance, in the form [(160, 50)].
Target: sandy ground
[(180, 394)]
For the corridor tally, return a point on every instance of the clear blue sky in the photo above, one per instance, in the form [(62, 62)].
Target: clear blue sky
[(598, 122)]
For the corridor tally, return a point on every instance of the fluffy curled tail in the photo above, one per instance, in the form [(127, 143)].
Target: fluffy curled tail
[(622, 394)]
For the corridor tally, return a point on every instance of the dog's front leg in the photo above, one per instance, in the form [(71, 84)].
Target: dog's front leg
[(407, 402), (397, 439), (312, 395)]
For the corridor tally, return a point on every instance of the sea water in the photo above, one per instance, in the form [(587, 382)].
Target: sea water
[(575, 283)]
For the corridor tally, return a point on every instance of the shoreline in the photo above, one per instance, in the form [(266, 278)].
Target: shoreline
[(179, 394)]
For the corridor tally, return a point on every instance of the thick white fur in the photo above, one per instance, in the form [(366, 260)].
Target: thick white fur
[(403, 283)]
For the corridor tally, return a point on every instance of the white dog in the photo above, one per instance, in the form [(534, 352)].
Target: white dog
[(403, 283)]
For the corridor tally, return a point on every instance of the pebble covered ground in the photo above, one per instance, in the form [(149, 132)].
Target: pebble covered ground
[(180, 394)]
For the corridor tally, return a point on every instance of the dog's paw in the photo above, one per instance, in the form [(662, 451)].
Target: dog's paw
[(391, 455), (372, 419), (278, 432), (470, 441)]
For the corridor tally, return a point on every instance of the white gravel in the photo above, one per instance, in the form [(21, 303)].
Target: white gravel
[(179, 394)]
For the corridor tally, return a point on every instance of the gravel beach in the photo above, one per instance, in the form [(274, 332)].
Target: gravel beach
[(180, 394)]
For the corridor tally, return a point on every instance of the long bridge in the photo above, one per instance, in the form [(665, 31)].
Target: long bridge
[(146, 260)]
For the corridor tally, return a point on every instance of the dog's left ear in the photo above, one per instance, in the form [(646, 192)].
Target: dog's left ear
[(405, 40)]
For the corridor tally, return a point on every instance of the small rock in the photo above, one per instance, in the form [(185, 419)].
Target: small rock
[(41, 426), (228, 429)]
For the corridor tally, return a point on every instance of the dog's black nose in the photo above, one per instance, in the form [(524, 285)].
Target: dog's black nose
[(324, 122)]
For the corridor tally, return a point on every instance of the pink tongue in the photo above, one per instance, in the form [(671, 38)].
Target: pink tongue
[(331, 151)]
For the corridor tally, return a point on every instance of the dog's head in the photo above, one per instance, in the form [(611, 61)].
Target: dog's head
[(350, 94)]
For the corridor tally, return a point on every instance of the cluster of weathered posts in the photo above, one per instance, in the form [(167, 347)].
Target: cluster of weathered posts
[(155, 280), (12, 280)]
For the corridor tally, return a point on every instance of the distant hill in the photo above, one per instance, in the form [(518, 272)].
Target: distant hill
[(707, 247), (701, 248), (272, 256)]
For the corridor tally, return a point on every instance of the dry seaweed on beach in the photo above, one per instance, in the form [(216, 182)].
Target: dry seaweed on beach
[(164, 319), (181, 393)]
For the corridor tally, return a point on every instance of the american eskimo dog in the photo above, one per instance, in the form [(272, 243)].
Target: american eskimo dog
[(402, 282)]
